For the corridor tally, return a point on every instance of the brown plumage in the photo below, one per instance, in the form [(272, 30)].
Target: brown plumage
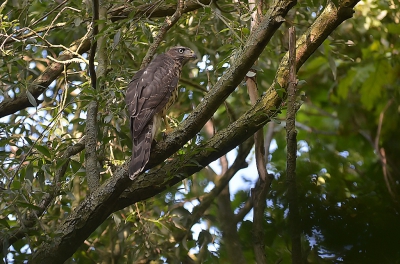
[(149, 95)]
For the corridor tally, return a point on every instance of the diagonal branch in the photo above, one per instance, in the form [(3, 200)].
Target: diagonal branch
[(154, 10)]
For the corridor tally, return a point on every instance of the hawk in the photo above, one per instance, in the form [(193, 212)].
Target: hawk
[(149, 95)]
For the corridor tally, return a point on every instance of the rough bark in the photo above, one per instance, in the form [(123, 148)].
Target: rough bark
[(291, 133), (154, 10)]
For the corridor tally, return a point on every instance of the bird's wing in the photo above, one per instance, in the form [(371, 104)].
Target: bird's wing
[(149, 92)]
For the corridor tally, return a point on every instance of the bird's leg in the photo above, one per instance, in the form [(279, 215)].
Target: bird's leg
[(168, 129)]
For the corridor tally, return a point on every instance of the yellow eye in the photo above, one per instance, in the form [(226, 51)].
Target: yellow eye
[(181, 50)]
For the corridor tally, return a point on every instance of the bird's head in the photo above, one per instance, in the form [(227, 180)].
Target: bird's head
[(183, 54)]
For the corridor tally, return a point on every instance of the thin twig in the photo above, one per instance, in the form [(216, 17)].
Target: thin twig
[(48, 13), (93, 48), (169, 22)]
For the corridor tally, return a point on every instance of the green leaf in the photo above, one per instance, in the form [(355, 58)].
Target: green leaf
[(28, 205), (394, 28), (29, 172), (75, 166), (27, 139), (4, 222), (31, 99), (44, 150), (16, 185), (345, 83), (60, 163), (371, 89), (117, 37), (332, 63), (108, 118)]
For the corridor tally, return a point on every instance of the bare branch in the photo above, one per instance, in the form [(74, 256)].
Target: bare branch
[(154, 10), (92, 171), (95, 31), (291, 133), (100, 48), (169, 22), (248, 205)]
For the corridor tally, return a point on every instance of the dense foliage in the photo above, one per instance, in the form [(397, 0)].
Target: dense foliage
[(348, 133)]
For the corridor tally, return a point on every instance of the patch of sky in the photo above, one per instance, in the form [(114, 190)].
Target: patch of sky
[(203, 64), (82, 64), (344, 154), (209, 187), (303, 146), (190, 205), (49, 93), (179, 196)]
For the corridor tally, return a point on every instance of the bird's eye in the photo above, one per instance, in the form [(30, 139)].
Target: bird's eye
[(181, 50)]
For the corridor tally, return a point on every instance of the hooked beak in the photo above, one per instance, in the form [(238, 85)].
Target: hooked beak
[(193, 55)]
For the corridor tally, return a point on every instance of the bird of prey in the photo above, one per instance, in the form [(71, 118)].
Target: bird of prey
[(149, 95)]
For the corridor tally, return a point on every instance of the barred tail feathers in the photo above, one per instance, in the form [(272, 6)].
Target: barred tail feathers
[(141, 150)]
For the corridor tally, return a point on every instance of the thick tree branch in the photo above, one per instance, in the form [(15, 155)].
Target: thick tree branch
[(291, 134), (154, 10), (98, 205), (99, 48), (92, 170)]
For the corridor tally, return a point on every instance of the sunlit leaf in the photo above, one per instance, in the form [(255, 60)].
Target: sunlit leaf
[(31, 99)]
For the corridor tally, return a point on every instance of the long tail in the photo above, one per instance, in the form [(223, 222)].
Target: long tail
[(141, 151)]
